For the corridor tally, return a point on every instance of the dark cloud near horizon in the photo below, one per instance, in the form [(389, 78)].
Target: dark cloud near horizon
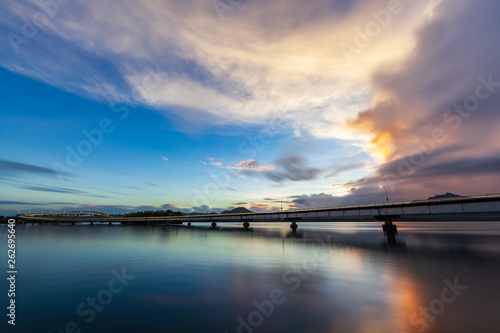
[(323, 200)]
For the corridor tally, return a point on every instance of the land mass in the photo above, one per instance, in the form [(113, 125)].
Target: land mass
[(237, 210), (447, 195)]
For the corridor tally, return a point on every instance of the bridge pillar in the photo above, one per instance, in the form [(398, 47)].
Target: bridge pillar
[(390, 231), (389, 227), (91, 223), (294, 226), (214, 225), (189, 224), (246, 225)]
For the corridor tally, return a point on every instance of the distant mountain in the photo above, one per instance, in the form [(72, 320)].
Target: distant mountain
[(445, 196), (236, 210)]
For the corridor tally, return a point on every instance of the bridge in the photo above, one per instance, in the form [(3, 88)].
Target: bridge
[(473, 208)]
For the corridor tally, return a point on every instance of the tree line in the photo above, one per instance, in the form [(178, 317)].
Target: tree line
[(154, 213)]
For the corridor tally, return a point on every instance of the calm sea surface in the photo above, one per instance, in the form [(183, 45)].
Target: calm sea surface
[(328, 277)]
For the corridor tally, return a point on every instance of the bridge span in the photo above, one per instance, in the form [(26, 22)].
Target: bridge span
[(484, 207)]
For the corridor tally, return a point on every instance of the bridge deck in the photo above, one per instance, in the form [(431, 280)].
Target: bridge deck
[(486, 207)]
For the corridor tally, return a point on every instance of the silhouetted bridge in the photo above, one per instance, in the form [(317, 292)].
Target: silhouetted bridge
[(485, 207)]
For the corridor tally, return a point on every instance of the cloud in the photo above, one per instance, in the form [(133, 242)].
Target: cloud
[(217, 164), (60, 190), (15, 168), (266, 58), (293, 169), (313, 201), (203, 209), (252, 166), (261, 207), (336, 170), (404, 97), (7, 202), (435, 120), (248, 167), (356, 196)]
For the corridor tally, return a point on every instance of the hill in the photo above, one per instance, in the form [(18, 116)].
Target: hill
[(445, 196), (237, 210)]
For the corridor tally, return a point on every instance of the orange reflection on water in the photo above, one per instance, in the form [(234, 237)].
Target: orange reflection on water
[(405, 302)]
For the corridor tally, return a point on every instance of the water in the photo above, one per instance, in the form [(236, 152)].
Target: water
[(329, 277)]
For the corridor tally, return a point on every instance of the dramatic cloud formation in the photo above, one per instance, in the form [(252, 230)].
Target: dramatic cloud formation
[(284, 57), (435, 122)]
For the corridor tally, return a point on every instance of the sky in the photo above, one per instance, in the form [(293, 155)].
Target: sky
[(208, 105)]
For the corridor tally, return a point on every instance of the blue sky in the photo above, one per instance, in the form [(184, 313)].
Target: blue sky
[(147, 159), (188, 107)]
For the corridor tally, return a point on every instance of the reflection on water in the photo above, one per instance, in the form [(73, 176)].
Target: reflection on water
[(328, 277)]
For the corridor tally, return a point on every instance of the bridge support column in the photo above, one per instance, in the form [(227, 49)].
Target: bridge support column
[(189, 224), (390, 231), (214, 225), (91, 223), (294, 226), (390, 227), (246, 225)]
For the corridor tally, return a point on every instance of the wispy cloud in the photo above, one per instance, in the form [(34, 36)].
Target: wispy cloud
[(7, 202), (15, 168), (252, 165), (55, 189)]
